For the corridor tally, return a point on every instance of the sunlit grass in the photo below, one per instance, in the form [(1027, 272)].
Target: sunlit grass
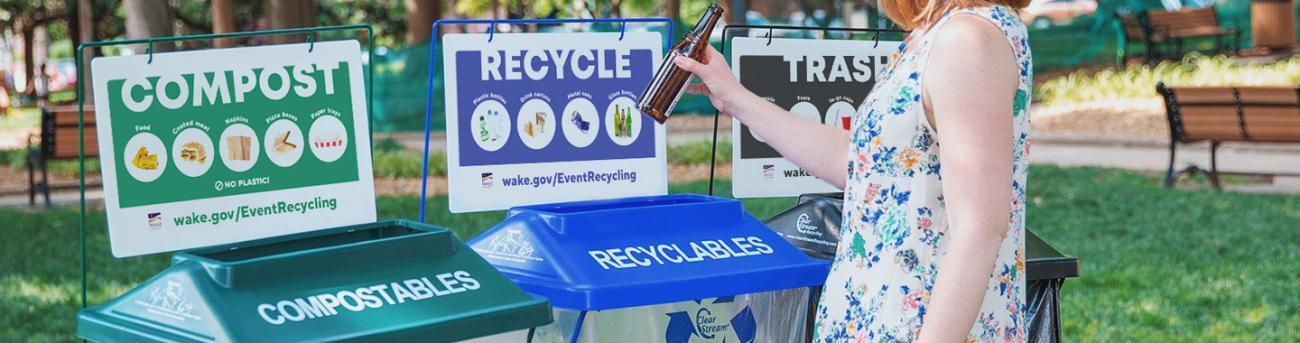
[(1156, 264), (1136, 83)]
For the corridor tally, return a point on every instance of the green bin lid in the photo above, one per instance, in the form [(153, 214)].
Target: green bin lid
[(385, 281)]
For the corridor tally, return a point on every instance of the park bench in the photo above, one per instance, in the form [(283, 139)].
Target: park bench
[(1228, 114), (59, 140), (1172, 28)]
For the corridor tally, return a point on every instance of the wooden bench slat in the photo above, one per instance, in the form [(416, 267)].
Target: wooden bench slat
[(70, 118), (1274, 139), (1213, 132), (71, 137), (1203, 95), (1274, 131), (70, 151), (1209, 114), (1271, 112), (1269, 95)]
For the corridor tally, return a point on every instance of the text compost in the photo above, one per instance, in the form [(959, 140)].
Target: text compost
[(223, 87)]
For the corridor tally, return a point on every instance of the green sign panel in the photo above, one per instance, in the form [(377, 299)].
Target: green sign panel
[(217, 146)]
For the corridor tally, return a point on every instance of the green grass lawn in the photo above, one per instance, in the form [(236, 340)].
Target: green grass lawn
[(1156, 264)]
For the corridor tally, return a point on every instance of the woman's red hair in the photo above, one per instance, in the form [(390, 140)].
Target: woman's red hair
[(911, 14)]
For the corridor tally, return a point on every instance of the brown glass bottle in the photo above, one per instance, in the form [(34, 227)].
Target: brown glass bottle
[(669, 81)]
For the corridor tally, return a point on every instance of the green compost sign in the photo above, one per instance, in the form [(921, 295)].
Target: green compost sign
[(219, 146)]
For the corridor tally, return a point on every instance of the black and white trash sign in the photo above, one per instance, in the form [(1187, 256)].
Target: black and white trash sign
[(820, 80)]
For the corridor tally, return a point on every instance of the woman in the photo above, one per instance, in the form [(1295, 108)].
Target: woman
[(932, 246)]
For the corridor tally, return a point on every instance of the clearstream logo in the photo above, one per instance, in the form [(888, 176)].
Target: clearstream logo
[(510, 245), (370, 297), (169, 301), (805, 226), (703, 323)]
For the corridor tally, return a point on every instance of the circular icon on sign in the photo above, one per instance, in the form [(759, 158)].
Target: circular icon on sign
[(328, 138), (580, 121), (145, 157), (283, 142), (623, 121), (536, 123), (840, 115), (490, 125), (239, 148), (192, 150)]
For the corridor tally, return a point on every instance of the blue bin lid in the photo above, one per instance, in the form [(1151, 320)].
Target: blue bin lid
[(606, 254)]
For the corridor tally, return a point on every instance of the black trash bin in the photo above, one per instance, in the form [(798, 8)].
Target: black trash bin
[(813, 226)]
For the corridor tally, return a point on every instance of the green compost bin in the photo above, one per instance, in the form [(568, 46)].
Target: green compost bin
[(385, 281)]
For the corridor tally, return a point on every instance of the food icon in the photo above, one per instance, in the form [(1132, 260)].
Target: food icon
[(240, 147), (194, 152), (582, 125), (328, 141), (144, 160), (282, 144)]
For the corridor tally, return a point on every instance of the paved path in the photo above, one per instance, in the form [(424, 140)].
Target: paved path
[(1153, 155), (1133, 154)]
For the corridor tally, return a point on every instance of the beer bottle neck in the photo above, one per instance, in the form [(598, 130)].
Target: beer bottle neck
[(705, 26)]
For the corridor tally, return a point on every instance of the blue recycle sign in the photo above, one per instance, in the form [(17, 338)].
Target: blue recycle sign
[(681, 327)]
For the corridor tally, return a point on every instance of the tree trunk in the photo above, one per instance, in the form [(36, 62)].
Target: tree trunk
[(223, 21), (85, 18), (420, 15), (737, 10), (29, 60), (672, 9), (40, 57), (147, 19), (284, 14)]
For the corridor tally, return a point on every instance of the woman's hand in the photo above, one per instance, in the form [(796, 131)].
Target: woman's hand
[(718, 83), (819, 149)]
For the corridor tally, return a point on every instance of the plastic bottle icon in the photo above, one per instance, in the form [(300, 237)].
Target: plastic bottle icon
[(482, 128)]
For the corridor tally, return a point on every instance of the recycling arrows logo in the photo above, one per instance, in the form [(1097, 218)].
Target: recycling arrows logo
[(682, 326)]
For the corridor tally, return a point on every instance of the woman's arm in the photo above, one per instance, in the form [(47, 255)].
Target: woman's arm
[(970, 84), (819, 149)]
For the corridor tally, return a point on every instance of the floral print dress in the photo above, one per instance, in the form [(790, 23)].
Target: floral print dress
[(894, 217)]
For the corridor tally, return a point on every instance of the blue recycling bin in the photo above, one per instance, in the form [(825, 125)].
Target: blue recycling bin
[(673, 268)]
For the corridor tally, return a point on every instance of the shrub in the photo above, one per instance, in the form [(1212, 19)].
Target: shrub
[(1138, 82)]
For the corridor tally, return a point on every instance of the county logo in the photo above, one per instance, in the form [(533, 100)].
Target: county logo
[(703, 324)]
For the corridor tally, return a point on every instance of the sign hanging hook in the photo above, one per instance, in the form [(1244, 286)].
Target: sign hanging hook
[(492, 29), (622, 28), (311, 41), (769, 36), (149, 50), (877, 39)]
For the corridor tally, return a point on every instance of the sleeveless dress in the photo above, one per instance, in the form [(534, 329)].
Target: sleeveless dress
[(894, 217)]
